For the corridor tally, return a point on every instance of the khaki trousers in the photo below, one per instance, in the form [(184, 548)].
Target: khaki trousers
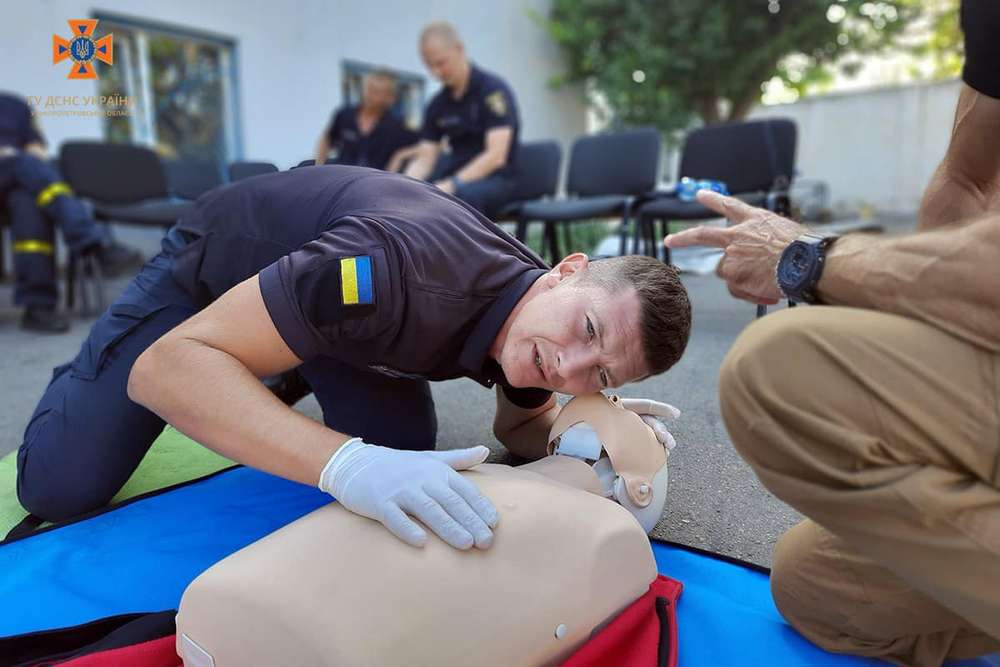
[(885, 433)]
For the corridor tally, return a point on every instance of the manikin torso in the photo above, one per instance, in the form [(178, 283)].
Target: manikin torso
[(334, 588)]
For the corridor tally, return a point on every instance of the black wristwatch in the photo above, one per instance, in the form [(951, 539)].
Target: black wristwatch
[(801, 266)]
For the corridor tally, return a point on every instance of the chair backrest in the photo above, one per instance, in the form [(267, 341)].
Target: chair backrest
[(747, 157), (112, 173), (240, 170), (537, 170), (312, 163), (190, 178), (615, 163)]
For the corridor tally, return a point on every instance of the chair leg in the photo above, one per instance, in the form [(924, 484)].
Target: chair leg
[(521, 231), (652, 249), (71, 282), (3, 254), (84, 292), (567, 238), (622, 238), (98, 286), (91, 286), (637, 237), (552, 241)]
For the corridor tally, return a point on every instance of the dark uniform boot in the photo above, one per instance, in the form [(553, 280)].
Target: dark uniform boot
[(44, 319)]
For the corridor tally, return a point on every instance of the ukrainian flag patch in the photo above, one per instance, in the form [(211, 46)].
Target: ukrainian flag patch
[(356, 281)]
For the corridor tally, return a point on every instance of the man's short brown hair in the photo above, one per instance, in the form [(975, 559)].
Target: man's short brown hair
[(665, 311)]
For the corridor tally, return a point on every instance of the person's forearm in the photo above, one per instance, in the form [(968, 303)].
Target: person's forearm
[(951, 197), (211, 397), (480, 167), (527, 438), (967, 182), (399, 157), (948, 278), (420, 168), (322, 150)]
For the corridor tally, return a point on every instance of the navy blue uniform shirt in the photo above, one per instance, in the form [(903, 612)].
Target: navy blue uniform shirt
[(488, 102), (17, 129), (374, 269), (374, 149)]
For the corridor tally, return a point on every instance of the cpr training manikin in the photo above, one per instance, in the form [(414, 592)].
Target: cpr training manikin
[(335, 588)]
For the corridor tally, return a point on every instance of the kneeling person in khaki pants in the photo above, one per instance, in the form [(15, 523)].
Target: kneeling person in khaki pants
[(876, 415)]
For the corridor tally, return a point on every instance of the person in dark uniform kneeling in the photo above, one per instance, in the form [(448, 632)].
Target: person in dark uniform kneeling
[(475, 114), (369, 134), (34, 197), (370, 284)]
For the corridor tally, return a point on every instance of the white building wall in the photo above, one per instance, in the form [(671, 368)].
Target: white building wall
[(290, 54), (874, 148)]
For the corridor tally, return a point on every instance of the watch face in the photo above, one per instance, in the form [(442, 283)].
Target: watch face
[(795, 266)]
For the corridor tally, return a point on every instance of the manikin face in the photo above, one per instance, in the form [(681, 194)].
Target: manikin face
[(573, 337), (445, 61), (379, 93)]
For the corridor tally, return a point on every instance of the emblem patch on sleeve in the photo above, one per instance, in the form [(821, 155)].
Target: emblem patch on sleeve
[(356, 281), (497, 103)]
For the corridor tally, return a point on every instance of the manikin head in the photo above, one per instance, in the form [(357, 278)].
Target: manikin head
[(586, 326), (444, 55), (622, 451), (379, 93)]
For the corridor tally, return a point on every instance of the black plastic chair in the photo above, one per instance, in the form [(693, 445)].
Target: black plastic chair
[(240, 170), (607, 173), (538, 165), (755, 159), (126, 184), (312, 163), (190, 178)]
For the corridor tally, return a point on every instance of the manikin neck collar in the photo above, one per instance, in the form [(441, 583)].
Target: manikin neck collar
[(635, 453)]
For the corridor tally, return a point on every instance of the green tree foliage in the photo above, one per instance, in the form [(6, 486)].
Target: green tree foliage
[(663, 62), (943, 46)]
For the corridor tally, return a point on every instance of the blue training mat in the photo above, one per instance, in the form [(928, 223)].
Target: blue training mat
[(141, 556)]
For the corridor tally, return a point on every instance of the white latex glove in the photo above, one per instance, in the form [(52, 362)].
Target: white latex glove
[(388, 484), (656, 415)]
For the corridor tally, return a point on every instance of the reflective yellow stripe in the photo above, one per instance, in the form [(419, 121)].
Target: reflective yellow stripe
[(46, 196), (33, 245), (349, 281)]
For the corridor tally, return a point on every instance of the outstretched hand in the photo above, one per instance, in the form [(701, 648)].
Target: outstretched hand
[(752, 245)]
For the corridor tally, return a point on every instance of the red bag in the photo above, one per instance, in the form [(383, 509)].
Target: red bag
[(644, 635), (160, 652)]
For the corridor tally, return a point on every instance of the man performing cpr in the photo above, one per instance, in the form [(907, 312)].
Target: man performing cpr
[(370, 284)]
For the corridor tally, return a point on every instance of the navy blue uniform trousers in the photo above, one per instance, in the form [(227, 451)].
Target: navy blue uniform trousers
[(86, 437), (487, 195), (22, 178)]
